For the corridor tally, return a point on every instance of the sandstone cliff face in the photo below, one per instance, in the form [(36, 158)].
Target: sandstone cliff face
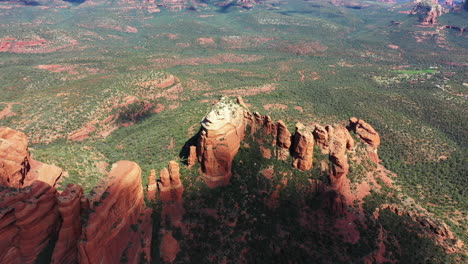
[(303, 147), (14, 157), (223, 129), (17, 168), (69, 206), (118, 226), (29, 217)]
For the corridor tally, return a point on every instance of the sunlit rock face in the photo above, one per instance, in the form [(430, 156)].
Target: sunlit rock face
[(368, 134), (222, 131), (119, 224), (17, 168)]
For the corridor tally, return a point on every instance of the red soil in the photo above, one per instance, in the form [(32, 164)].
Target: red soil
[(275, 107), (6, 112), (247, 91), (206, 41), (222, 58)]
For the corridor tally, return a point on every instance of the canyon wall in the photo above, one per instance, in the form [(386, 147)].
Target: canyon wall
[(113, 225)]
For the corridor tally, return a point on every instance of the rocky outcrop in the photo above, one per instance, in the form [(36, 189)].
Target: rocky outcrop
[(152, 186), (284, 136), (438, 231), (118, 226), (29, 218), (192, 158), (368, 134), (303, 147), (222, 131), (283, 141), (321, 138), (339, 142), (17, 168), (171, 194), (427, 11), (170, 186), (14, 157), (69, 206)]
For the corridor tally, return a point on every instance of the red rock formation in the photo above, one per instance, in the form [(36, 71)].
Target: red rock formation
[(223, 130), (118, 226), (69, 206), (321, 138), (171, 194), (367, 133), (17, 169), (257, 122), (29, 217), (152, 186), (436, 230), (169, 247), (284, 136), (428, 11), (283, 141), (192, 158), (14, 157), (303, 147), (170, 186), (340, 141)]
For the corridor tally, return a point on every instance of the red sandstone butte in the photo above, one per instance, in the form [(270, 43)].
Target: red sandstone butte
[(303, 147), (69, 206), (340, 142), (29, 217), (118, 226), (223, 129)]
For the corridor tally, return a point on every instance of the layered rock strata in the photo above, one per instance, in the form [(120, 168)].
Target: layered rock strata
[(29, 218), (69, 206), (118, 226)]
